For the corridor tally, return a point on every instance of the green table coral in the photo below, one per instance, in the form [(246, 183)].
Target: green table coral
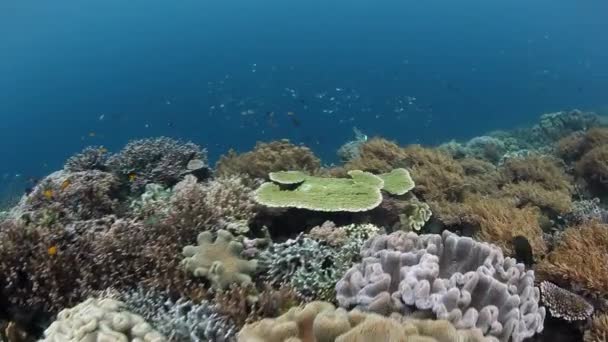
[(219, 261), (360, 192)]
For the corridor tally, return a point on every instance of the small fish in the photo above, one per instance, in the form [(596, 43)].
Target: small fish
[(295, 121), (103, 150), (52, 250), (65, 184), (48, 194), (291, 113), (132, 176), (101, 117), (523, 250), (92, 134)]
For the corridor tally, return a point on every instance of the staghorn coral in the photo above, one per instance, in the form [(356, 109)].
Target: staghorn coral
[(66, 196), (181, 319), (203, 205), (155, 160), (564, 304), (463, 281), (268, 157), (90, 158), (598, 332), (100, 320), (218, 260), (580, 258), (320, 321)]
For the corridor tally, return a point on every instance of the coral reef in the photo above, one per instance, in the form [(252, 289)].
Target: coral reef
[(67, 196), (268, 157), (90, 158), (598, 332), (156, 160), (202, 205), (463, 281), (320, 321), (593, 168), (415, 215), (361, 192), (553, 126), (377, 155), (180, 320), (564, 304), (100, 320), (580, 258), (218, 260)]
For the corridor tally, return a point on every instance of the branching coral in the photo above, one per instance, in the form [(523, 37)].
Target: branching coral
[(564, 304), (554, 202), (90, 158), (100, 320), (180, 320), (498, 221), (537, 169), (579, 259), (218, 260), (268, 157), (65, 196), (593, 168), (202, 205), (320, 321), (156, 160), (598, 332), (377, 155), (463, 281)]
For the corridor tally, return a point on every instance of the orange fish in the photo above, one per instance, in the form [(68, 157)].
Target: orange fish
[(65, 184), (52, 250), (48, 194), (132, 176)]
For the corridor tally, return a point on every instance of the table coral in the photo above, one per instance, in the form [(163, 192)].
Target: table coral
[(219, 260), (100, 320), (322, 322), (468, 283)]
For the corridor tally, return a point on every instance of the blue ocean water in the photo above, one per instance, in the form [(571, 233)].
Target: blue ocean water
[(226, 74)]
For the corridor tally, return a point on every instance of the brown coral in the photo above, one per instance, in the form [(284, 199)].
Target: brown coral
[(554, 202), (268, 157), (580, 258), (499, 221), (598, 332), (593, 168), (202, 205), (377, 155), (537, 169)]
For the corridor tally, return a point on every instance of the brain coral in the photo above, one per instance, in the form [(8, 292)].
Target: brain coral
[(100, 320), (219, 261), (321, 322), (469, 283)]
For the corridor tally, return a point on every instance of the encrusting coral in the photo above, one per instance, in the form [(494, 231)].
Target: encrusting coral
[(321, 321), (268, 157), (219, 260), (361, 192), (463, 281), (564, 304), (100, 320), (580, 259)]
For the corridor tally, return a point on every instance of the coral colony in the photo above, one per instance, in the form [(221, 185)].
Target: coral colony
[(501, 238)]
